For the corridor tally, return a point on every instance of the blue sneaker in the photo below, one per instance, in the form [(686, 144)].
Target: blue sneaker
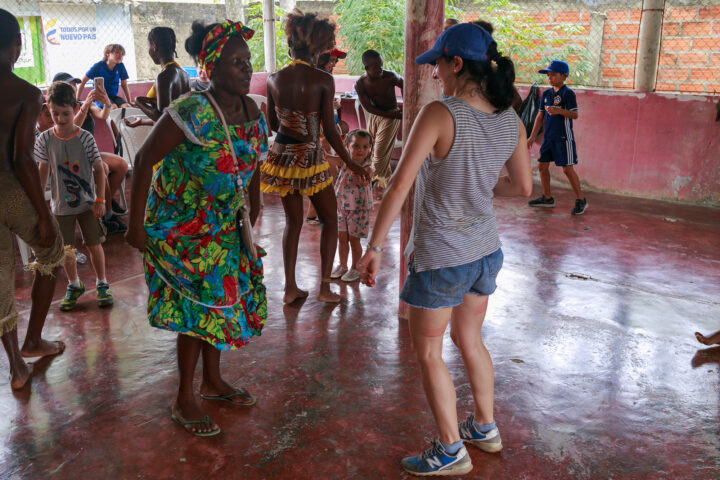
[(436, 461), (487, 442)]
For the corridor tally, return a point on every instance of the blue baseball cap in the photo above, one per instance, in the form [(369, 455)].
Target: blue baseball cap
[(557, 66), (464, 40)]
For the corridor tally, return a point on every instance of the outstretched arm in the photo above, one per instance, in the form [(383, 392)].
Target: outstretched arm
[(332, 134), (423, 136), (163, 138)]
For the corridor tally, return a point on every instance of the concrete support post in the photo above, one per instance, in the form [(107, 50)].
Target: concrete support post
[(649, 45), (594, 47), (423, 24), (269, 34), (235, 10)]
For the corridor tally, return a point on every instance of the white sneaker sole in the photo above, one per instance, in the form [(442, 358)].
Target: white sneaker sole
[(485, 446), (455, 470)]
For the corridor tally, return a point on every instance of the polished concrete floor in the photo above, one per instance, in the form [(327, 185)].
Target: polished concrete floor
[(598, 374)]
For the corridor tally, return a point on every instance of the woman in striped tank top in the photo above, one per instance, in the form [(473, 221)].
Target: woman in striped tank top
[(454, 154)]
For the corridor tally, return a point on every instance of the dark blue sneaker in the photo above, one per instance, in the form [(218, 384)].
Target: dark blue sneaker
[(487, 442), (436, 461)]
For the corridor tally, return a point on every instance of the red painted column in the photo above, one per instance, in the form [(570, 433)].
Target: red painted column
[(423, 24)]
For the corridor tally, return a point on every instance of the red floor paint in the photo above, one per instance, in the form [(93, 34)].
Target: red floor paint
[(598, 374)]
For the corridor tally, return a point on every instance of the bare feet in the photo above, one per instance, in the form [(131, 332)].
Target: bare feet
[(328, 297), (226, 392), (711, 340), (43, 348), (20, 376), (293, 294), (193, 420)]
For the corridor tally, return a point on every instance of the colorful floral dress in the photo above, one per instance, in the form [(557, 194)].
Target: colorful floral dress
[(202, 282), (354, 203)]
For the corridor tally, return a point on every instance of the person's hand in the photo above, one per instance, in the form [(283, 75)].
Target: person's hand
[(530, 142), (368, 266), (133, 122), (136, 237), (362, 175), (552, 110), (48, 234), (92, 96), (98, 209)]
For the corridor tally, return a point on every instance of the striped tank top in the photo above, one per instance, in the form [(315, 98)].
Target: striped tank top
[(453, 216)]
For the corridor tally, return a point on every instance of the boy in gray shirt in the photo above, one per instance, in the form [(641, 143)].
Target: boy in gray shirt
[(78, 188)]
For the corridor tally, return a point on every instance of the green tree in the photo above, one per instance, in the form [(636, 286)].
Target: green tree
[(372, 24), (380, 25), (254, 16), (377, 25), (532, 46)]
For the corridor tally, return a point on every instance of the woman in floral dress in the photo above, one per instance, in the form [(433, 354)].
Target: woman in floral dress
[(202, 280)]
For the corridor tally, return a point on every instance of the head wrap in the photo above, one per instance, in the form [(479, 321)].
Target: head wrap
[(215, 40)]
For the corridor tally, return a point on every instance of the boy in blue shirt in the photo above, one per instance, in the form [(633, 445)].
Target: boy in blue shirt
[(113, 71), (559, 109)]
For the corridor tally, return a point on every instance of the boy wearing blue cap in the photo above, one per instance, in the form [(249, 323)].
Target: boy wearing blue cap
[(559, 110)]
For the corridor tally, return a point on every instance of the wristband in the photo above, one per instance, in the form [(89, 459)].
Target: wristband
[(99, 200), (374, 248)]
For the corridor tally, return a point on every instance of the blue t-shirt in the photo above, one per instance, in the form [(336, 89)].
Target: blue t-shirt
[(112, 77), (558, 128)]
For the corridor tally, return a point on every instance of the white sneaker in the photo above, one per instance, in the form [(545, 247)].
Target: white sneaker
[(338, 272), (352, 275)]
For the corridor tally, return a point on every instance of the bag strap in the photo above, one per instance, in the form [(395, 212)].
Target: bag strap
[(220, 115)]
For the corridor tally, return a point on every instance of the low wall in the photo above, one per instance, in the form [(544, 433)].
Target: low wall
[(663, 146)]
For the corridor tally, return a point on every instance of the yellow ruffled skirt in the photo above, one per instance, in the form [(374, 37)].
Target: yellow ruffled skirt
[(291, 168)]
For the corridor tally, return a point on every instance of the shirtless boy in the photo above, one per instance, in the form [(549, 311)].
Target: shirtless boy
[(24, 211), (376, 92)]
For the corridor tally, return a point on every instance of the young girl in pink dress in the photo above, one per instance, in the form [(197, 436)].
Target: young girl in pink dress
[(354, 204)]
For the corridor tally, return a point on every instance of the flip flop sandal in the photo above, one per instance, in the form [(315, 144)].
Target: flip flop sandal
[(241, 392), (185, 423)]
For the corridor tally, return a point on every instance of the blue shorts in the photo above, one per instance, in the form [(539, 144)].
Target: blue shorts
[(446, 287), (562, 152)]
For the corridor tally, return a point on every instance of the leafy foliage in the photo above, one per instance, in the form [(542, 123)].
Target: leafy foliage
[(372, 24), (377, 25), (380, 25), (254, 16), (532, 46)]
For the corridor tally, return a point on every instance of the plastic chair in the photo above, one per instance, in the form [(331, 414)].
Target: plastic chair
[(130, 138), (362, 123)]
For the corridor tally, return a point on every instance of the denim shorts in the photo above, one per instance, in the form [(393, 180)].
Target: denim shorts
[(446, 287)]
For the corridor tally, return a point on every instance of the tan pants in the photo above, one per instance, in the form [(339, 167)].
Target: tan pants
[(384, 131), (18, 217)]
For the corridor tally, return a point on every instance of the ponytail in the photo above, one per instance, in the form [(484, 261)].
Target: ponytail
[(496, 81)]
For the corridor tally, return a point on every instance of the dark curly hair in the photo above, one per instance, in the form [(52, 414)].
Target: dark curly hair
[(307, 34), (61, 94), (164, 39)]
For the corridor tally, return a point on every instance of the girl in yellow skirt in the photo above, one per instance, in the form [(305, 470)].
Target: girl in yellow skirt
[(300, 98)]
